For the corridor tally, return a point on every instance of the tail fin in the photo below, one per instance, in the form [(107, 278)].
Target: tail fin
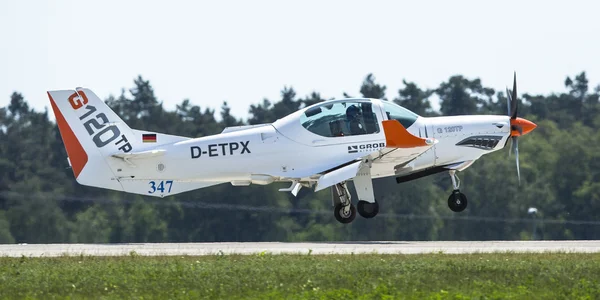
[(92, 133)]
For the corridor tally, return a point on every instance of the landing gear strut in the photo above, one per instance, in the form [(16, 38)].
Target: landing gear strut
[(367, 205), (457, 200), (343, 209)]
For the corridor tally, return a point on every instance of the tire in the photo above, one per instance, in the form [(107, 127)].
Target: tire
[(457, 201), (337, 212), (367, 210)]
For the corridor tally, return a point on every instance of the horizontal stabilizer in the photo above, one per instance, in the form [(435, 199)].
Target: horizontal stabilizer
[(244, 127), (156, 139), (141, 154)]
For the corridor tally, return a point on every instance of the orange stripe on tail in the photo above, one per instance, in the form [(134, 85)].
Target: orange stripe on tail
[(75, 151), (396, 136)]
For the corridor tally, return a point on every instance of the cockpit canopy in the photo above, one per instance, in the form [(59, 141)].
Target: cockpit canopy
[(352, 117), (341, 119)]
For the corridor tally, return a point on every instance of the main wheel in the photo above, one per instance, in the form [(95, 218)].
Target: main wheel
[(338, 212), (367, 209), (457, 201)]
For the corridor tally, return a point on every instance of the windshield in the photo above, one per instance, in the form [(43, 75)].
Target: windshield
[(397, 112)]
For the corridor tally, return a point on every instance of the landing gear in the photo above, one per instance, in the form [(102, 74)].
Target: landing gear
[(367, 206), (457, 200), (367, 209), (344, 213), (343, 209)]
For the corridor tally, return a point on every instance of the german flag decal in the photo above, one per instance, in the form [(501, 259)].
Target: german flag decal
[(149, 138)]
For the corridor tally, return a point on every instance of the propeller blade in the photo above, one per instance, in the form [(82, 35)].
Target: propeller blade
[(517, 128), (513, 100), (515, 144)]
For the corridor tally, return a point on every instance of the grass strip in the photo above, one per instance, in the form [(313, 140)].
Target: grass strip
[(265, 276)]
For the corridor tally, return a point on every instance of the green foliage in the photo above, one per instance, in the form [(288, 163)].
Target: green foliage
[(415, 99), (461, 96), (560, 162), (370, 89), (5, 235), (265, 276), (92, 226)]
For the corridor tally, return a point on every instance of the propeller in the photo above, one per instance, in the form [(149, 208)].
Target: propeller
[(518, 126)]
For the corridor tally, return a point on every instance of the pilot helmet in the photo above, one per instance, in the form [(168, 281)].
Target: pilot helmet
[(352, 112)]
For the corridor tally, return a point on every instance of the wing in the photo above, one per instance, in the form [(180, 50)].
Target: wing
[(401, 148)]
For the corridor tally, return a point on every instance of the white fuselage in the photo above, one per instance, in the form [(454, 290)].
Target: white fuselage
[(285, 151), (323, 145)]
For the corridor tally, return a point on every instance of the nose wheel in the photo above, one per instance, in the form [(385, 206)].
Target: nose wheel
[(457, 201)]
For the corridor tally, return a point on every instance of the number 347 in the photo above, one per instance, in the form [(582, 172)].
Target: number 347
[(160, 186)]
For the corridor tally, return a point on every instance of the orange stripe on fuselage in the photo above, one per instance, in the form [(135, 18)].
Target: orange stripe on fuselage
[(396, 136), (75, 151)]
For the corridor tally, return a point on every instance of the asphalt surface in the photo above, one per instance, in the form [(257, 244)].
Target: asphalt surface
[(170, 249)]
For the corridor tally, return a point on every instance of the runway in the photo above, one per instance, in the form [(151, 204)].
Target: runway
[(192, 249)]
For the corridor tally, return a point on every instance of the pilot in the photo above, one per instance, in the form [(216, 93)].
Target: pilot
[(353, 118)]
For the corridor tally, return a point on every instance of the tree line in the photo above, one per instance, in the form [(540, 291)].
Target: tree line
[(40, 202)]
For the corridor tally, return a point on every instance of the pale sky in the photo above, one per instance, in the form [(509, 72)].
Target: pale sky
[(244, 51)]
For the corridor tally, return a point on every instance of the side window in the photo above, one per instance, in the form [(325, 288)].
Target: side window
[(397, 112), (341, 119)]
